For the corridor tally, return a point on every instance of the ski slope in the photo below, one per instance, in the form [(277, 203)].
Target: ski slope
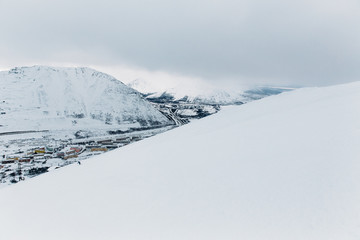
[(284, 167)]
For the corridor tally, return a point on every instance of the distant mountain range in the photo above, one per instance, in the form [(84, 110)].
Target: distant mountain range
[(48, 98), (201, 93)]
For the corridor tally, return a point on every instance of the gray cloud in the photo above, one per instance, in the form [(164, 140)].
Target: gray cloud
[(275, 42)]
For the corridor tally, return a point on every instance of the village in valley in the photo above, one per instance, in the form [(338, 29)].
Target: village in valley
[(24, 158)]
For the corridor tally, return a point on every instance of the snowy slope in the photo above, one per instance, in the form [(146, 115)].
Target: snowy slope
[(201, 92), (43, 98), (284, 167)]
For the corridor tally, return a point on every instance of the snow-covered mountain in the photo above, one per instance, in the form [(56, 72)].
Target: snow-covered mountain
[(47, 98), (200, 92), (284, 167)]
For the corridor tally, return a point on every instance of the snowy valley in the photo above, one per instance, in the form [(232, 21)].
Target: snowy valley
[(52, 117)]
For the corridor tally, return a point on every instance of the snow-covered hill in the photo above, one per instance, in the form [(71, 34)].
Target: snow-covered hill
[(284, 167), (47, 98), (200, 92)]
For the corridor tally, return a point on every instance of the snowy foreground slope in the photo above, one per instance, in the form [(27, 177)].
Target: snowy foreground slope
[(47, 98), (284, 167)]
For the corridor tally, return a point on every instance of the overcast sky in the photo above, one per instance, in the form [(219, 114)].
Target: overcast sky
[(307, 42)]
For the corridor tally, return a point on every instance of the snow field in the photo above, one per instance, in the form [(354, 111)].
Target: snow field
[(284, 167)]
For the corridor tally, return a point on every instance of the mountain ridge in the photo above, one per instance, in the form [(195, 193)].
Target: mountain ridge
[(73, 95)]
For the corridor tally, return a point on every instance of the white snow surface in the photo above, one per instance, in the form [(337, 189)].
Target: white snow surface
[(283, 167), (48, 98)]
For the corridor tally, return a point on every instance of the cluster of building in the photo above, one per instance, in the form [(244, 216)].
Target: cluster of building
[(67, 151)]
